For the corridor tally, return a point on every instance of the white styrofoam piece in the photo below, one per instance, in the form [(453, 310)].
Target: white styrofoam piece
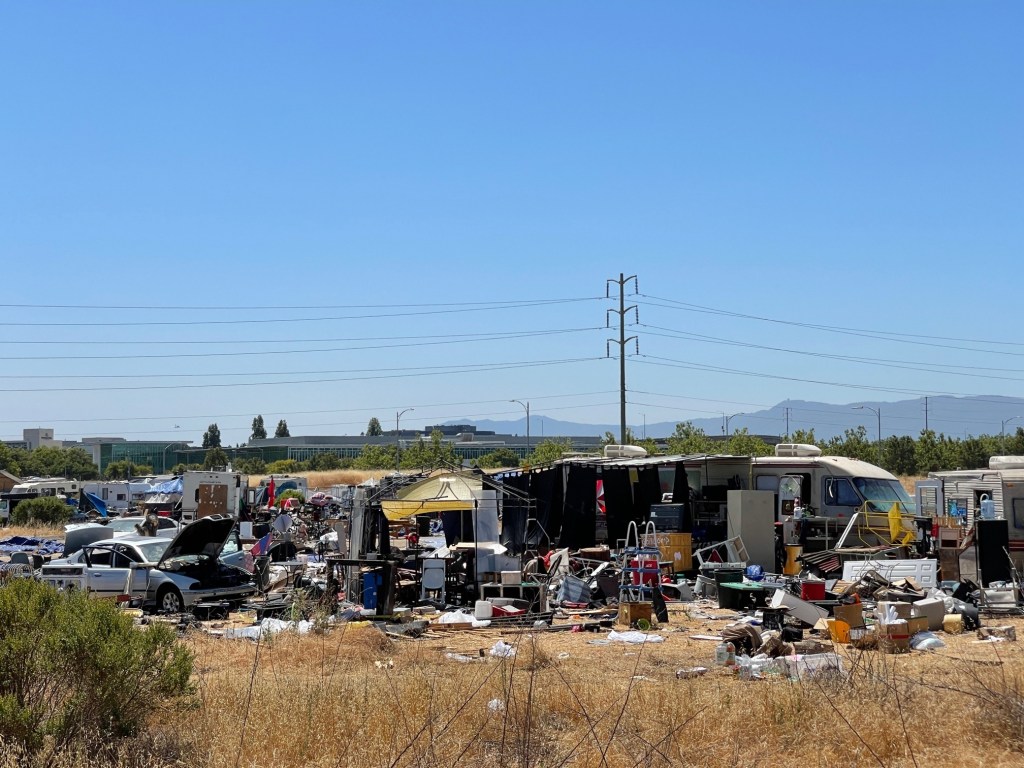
[(923, 571), (931, 608)]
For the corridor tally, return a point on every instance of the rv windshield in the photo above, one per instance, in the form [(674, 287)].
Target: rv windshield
[(873, 489)]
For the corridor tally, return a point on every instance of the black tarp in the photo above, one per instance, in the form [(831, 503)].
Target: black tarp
[(578, 524), (618, 501), (515, 512)]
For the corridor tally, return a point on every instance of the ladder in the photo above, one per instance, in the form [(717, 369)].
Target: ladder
[(639, 579)]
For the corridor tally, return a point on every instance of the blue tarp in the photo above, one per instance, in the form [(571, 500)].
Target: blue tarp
[(171, 486), (96, 502), (14, 544)]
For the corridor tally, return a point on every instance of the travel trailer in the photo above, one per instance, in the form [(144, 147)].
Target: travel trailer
[(34, 487), (212, 493)]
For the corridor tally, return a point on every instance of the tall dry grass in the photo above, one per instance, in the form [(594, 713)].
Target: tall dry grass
[(353, 697)]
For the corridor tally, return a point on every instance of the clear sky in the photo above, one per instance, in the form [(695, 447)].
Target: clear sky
[(386, 204)]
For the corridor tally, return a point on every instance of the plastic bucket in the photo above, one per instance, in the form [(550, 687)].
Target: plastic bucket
[(839, 631)]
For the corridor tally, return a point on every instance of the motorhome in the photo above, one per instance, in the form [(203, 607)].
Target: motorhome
[(801, 478), (34, 487), (212, 493)]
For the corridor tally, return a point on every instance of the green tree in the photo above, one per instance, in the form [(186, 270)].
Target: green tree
[(854, 444), (12, 459), (259, 432), (547, 451), (282, 429), (71, 666), (215, 458), (742, 443), (252, 466), (375, 457), (60, 462), (325, 462), (927, 453), (45, 510), (803, 437), (211, 437), (688, 439), (283, 467), (180, 469), (374, 429), (428, 455), (502, 457), (898, 452), (124, 470)]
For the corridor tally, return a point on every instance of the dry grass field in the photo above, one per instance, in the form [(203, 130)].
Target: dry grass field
[(353, 697)]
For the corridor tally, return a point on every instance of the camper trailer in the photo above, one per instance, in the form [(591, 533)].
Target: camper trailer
[(119, 496), (212, 493), (967, 493)]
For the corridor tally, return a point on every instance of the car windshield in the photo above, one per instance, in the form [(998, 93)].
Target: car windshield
[(153, 551), (875, 489), (124, 524)]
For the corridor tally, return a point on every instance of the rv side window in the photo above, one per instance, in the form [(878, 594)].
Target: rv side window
[(197, 495), (1018, 513), (839, 492), (766, 483)]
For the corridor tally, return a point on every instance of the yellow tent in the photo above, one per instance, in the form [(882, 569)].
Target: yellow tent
[(441, 493)]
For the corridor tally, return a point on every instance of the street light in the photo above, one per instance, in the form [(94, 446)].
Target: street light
[(727, 420), (878, 413), (398, 439), (164, 454), (1002, 432), (525, 405)]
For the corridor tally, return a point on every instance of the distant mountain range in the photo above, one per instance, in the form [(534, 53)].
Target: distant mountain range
[(953, 416)]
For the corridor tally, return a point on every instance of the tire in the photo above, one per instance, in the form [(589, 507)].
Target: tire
[(169, 600)]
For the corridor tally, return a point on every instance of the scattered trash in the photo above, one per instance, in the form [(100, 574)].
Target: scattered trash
[(502, 650), (461, 657), (688, 673), (496, 705), (926, 641), (632, 636)]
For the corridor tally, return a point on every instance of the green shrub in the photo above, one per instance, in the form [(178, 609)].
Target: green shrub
[(47, 510), (283, 467), (71, 666)]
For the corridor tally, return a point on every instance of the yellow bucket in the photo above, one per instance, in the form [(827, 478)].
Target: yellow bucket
[(838, 630)]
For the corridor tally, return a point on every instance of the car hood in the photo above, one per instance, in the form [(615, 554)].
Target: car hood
[(206, 536)]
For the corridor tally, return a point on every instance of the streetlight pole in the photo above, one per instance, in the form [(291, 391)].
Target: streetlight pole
[(398, 439), (164, 452), (878, 413), (728, 419), (1002, 432), (525, 405)]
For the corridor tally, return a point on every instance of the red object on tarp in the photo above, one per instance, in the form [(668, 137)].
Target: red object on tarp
[(812, 590), (270, 492)]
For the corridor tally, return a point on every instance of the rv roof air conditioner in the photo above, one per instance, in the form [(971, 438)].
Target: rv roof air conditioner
[(1006, 462), (789, 450), (624, 452)]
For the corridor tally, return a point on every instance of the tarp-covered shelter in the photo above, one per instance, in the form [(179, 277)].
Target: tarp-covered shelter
[(581, 501), (449, 492)]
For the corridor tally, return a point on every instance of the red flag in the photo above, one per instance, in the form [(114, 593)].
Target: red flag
[(270, 493)]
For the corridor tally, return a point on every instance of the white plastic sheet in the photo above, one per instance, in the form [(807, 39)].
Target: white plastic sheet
[(635, 637)]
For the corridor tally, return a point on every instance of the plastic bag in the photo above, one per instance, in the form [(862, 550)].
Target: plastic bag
[(502, 650), (634, 636), (926, 641)]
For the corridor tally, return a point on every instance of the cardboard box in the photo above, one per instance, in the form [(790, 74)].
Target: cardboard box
[(853, 615), (918, 624), (894, 637), (512, 578), (630, 613), (931, 608)]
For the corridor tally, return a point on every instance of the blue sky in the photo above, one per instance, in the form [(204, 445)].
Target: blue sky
[(842, 164)]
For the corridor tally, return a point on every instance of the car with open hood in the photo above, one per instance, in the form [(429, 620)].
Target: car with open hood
[(166, 574)]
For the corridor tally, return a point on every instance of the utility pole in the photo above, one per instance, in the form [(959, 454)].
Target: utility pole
[(622, 341), (787, 421), (926, 413)]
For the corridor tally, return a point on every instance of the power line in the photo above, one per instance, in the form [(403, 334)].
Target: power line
[(868, 333), (448, 370), (248, 307), (265, 320), (437, 341), (368, 409)]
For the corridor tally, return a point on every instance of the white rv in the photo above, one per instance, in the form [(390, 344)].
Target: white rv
[(47, 486), (118, 495), (800, 477), (212, 493)]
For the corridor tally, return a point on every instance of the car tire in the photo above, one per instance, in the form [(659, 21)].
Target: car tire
[(169, 600)]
